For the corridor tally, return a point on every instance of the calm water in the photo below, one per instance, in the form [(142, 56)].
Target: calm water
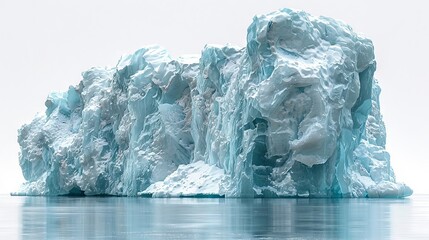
[(188, 218)]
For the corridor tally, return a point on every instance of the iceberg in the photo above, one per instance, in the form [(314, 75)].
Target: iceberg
[(295, 113)]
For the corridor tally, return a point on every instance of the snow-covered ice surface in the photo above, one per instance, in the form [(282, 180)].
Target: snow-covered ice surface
[(294, 113)]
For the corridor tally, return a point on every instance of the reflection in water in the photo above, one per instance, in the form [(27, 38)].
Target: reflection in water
[(310, 218), (191, 218)]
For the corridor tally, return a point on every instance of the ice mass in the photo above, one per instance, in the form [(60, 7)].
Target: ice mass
[(295, 113)]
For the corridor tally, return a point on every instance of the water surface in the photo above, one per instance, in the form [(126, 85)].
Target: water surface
[(191, 218)]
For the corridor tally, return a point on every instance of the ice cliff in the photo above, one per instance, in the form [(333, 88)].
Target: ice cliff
[(294, 113)]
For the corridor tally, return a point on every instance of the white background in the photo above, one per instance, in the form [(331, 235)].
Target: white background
[(45, 45)]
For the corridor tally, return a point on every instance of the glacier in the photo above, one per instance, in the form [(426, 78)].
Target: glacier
[(295, 113)]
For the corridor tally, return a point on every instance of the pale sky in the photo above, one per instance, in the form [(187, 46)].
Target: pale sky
[(45, 45)]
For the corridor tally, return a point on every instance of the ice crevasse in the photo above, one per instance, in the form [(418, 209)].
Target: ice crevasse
[(295, 113)]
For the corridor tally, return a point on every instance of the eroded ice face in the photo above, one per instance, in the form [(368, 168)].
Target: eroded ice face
[(294, 113)]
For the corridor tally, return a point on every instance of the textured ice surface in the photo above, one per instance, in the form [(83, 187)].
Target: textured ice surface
[(294, 113)]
